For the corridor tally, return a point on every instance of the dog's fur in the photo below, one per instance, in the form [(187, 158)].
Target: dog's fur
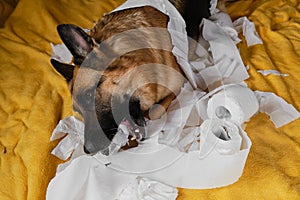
[(110, 76)]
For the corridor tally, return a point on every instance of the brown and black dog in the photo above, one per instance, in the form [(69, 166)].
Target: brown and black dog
[(114, 78)]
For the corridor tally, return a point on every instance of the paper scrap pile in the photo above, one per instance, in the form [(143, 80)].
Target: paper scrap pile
[(198, 143)]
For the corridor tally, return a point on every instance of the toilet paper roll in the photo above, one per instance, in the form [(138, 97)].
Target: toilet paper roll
[(219, 135), (236, 102)]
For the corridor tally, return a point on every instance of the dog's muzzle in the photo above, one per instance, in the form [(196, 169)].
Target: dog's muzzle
[(95, 139), (100, 128)]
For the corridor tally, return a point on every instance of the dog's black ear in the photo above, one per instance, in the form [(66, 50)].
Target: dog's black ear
[(64, 69), (78, 42)]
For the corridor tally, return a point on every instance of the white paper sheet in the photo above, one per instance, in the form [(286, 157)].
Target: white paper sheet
[(224, 21), (213, 7), (71, 129), (248, 29), (61, 53), (280, 112)]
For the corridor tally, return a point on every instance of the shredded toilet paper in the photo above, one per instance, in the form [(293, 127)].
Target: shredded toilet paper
[(213, 7), (198, 143), (271, 71), (228, 66), (224, 21), (147, 189), (71, 129), (248, 29)]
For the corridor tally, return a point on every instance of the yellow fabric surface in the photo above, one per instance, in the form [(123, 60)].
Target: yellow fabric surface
[(33, 98)]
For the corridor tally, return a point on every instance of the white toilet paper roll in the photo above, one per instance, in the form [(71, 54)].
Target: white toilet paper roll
[(219, 135), (236, 102)]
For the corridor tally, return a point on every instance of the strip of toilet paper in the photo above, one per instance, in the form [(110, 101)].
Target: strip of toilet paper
[(280, 112)]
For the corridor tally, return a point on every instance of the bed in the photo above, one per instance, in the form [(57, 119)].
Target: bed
[(34, 97)]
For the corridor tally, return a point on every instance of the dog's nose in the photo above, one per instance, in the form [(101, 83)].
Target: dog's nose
[(86, 150)]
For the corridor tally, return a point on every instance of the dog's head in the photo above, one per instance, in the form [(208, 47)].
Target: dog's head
[(110, 85)]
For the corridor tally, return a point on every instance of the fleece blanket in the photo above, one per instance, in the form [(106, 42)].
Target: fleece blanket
[(34, 97)]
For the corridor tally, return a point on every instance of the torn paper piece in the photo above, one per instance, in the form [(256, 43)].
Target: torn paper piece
[(74, 129), (273, 72), (280, 112), (248, 29), (61, 53), (224, 21), (213, 7), (146, 189)]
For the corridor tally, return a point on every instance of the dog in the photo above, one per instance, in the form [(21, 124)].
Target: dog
[(110, 84)]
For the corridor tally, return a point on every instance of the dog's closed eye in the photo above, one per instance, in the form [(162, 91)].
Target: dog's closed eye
[(86, 98)]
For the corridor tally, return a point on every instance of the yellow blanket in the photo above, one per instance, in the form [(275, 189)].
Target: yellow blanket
[(33, 98)]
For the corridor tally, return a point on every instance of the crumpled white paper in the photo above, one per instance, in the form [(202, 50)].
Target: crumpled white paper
[(147, 189), (71, 129), (248, 29)]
